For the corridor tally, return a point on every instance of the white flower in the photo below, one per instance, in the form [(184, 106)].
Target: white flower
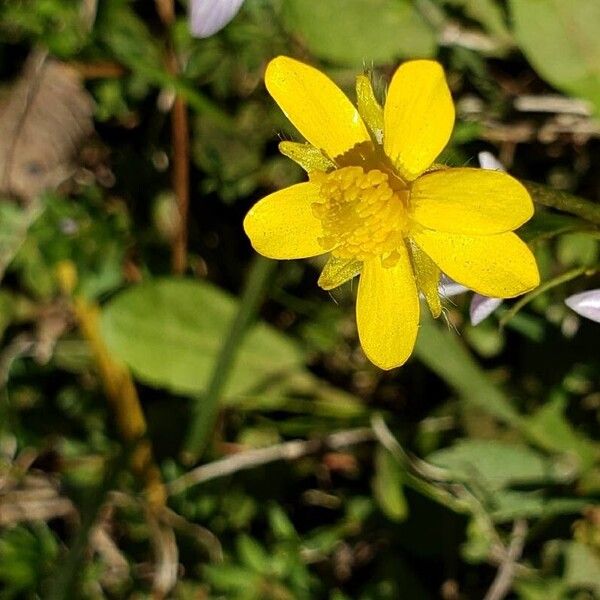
[(586, 304), (209, 16)]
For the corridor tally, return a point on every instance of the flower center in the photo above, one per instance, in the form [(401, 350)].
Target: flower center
[(362, 216)]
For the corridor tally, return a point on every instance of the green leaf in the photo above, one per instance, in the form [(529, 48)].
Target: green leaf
[(546, 225), (170, 331), (561, 41), (494, 464), (510, 505), (281, 526), (576, 249), (366, 32), (582, 567), (480, 540), (541, 589), (14, 225), (128, 37), (387, 486), (488, 13), (442, 351), (231, 578), (551, 430), (252, 554)]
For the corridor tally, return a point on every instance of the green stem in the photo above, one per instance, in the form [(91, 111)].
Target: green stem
[(544, 287), (590, 211), (206, 407)]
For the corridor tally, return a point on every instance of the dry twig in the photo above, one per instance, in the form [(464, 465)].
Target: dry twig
[(506, 572), (251, 459), (180, 139)]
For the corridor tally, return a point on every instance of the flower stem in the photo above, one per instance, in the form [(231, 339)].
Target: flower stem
[(541, 194), (544, 287), (206, 407)]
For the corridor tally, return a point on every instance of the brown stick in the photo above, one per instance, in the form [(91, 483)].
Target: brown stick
[(180, 141), (181, 181)]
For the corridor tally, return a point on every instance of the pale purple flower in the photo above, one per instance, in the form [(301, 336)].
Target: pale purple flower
[(482, 307), (448, 287), (488, 161), (586, 304), (209, 16)]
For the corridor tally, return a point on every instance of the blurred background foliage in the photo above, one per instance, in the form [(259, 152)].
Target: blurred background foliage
[(473, 471)]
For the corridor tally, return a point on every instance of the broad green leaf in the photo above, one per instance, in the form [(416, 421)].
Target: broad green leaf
[(494, 464), (387, 486), (551, 430), (582, 567), (541, 589), (169, 331), (360, 32), (561, 41), (510, 505)]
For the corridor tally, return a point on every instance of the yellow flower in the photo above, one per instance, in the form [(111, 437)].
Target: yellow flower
[(376, 202)]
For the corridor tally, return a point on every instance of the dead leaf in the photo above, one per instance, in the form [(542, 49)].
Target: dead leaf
[(43, 122)]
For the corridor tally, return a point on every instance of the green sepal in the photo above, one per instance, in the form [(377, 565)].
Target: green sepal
[(307, 156), (369, 108), (337, 271)]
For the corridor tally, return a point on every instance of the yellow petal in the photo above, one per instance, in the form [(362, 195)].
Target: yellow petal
[(501, 266), (282, 225), (368, 106), (307, 156), (337, 271), (427, 274), (470, 201), (315, 105), (418, 116), (387, 311)]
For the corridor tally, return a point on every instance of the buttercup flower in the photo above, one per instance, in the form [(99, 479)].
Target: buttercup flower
[(377, 203)]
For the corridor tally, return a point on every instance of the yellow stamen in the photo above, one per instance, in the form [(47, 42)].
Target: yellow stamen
[(362, 216)]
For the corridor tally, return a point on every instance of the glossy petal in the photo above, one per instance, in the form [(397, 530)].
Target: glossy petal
[(470, 201), (319, 110), (387, 312), (209, 16), (482, 307), (282, 225), (500, 265), (418, 117), (587, 304)]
